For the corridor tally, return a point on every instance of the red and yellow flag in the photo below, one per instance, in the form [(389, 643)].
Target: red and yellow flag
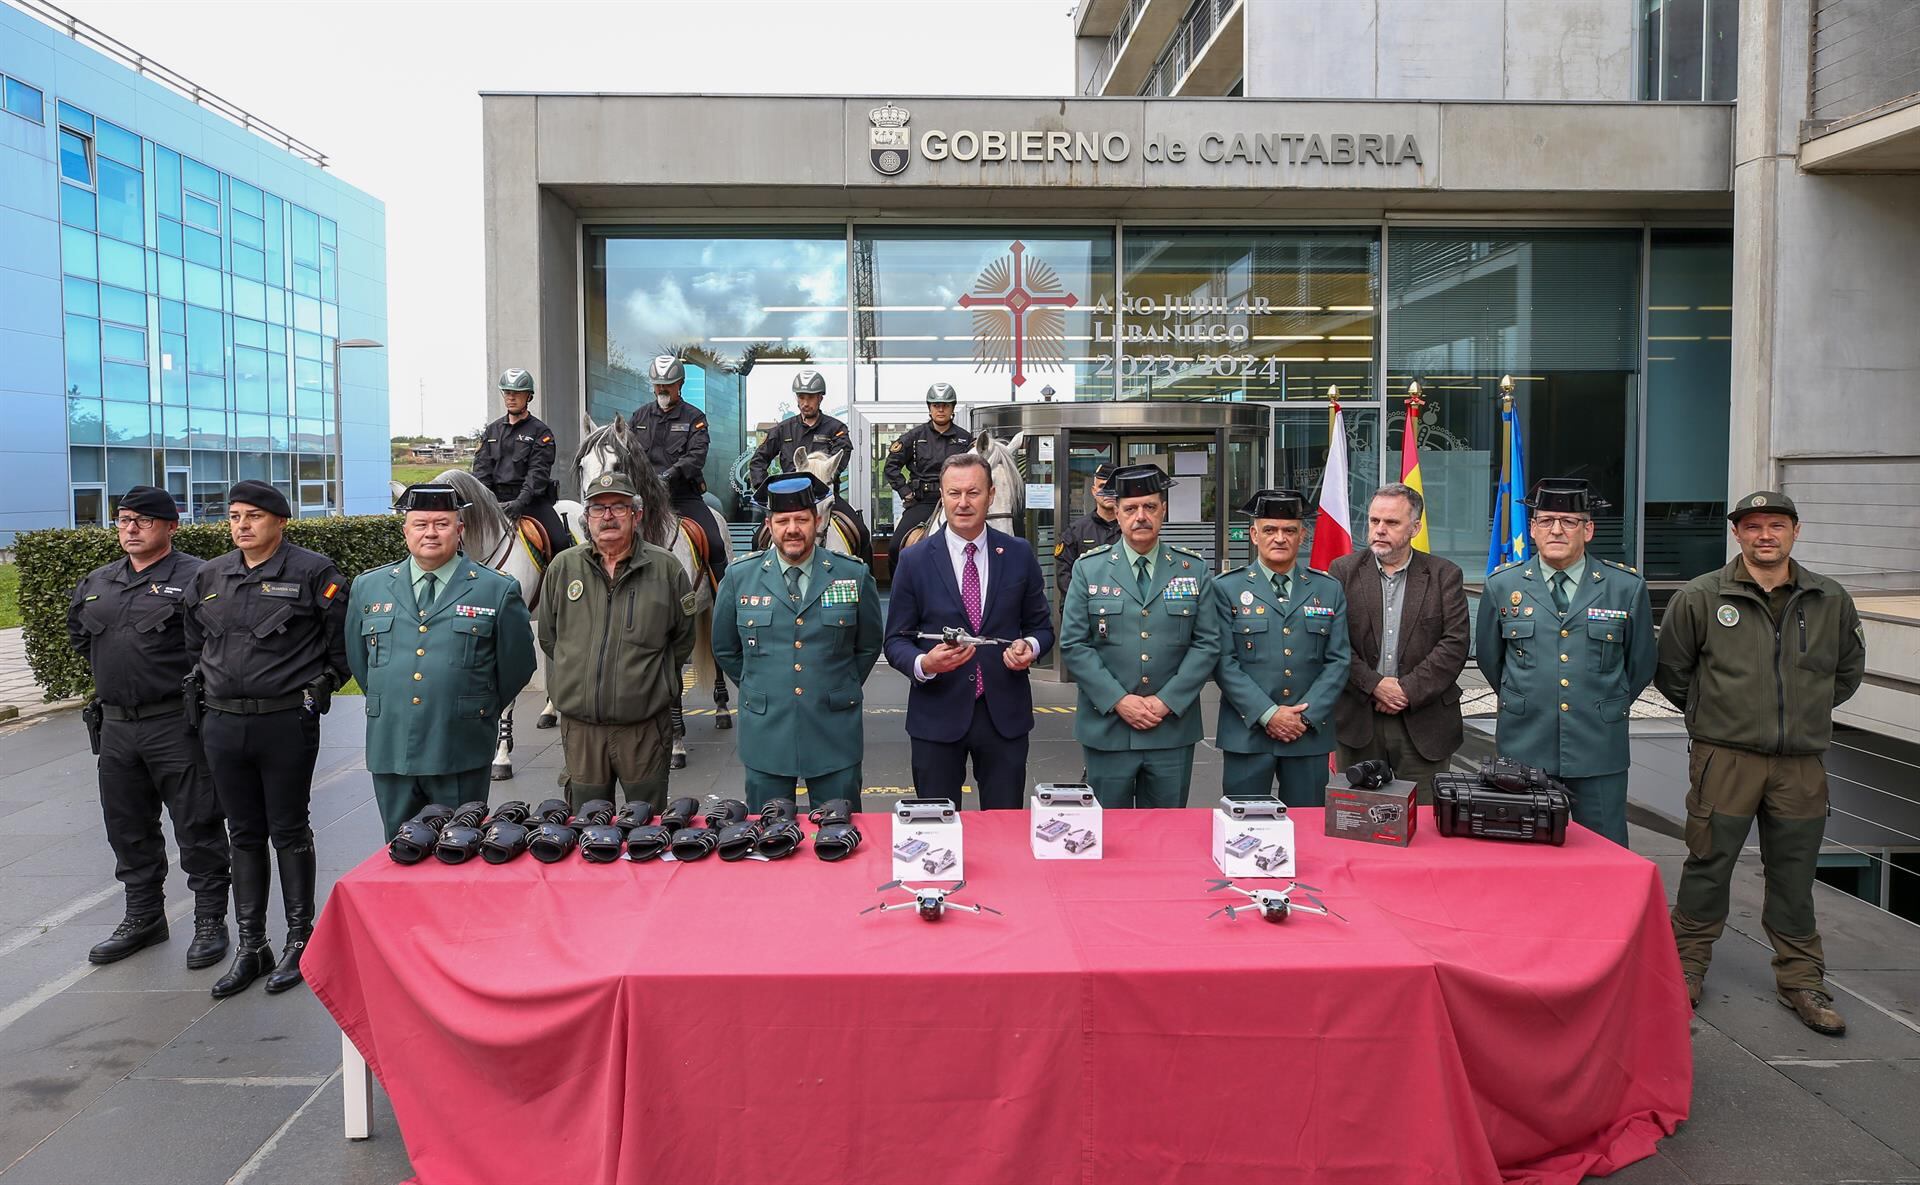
[(1410, 464)]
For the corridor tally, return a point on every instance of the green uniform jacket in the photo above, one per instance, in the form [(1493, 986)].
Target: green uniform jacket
[(1280, 653), (1114, 646), (1744, 681), (615, 647), (799, 667), (1566, 685), (436, 682)]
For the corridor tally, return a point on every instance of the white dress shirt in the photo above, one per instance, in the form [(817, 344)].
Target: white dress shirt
[(957, 556)]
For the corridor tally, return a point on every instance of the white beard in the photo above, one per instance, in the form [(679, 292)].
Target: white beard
[(665, 402)]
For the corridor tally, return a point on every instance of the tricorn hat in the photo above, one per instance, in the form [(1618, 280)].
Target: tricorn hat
[(1564, 495), (425, 495), (791, 491), (1139, 481), (1276, 504)]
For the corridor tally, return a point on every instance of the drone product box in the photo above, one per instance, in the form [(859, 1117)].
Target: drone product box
[(1383, 816), (1253, 837), (1066, 822), (926, 840)]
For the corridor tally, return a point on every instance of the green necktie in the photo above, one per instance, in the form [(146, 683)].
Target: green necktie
[(432, 581), (1282, 585), (793, 583), (1558, 583), (1140, 574)]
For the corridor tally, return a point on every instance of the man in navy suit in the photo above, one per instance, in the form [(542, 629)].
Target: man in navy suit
[(969, 701)]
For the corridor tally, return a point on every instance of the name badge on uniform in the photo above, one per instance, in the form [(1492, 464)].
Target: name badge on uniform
[(1317, 610), (269, 588), (841, 592), (1181, 588), (1606, 615), (472, 611), (679, 427), (163, 590)]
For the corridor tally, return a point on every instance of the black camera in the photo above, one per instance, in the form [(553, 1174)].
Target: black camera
[(1372, 774)]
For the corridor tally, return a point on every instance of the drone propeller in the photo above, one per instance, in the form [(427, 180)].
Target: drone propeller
[(1309, 888), (957, 887), (990, 909), (871, 908), (1323, 905), (888, 885), (1217, 885)]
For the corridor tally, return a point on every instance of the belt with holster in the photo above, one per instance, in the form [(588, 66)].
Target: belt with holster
[(257, 707), (165, 707)]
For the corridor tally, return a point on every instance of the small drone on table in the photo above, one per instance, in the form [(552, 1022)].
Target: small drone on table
[(931, 903), (1273, 905), (953, 635)]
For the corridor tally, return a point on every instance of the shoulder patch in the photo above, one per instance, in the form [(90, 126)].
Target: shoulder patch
[(686, 604), (1319, 571), (1505, 566), (1623, 567), (1186, 551), (1100, 550)]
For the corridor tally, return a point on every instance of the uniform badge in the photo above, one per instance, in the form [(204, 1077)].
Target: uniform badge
[(1092, 588), (1516, 596), (1528, 610), (606, 479), (841, 592), (1728, 616), (1246, 597), (574, 589), (686, 604), (1758, 500)]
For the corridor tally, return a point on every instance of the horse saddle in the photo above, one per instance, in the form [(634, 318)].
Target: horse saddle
[(535, 533), (696, 540)]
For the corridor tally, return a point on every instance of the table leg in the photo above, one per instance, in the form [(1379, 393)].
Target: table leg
[(356, 1081)]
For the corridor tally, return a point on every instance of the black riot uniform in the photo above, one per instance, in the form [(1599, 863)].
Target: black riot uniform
[(913, 470), (824, 435), (515, 461), (129, 628), (1086, 533), (271, 653), (676, 443)]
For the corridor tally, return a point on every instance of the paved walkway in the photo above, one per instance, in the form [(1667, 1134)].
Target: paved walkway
[(19, 694)]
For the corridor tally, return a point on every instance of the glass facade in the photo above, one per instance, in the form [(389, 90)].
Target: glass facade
[(200, 315), (1598, 327), (1690, 50)]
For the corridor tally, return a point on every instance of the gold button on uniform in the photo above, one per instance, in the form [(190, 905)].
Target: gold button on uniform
[(416, 699), (1563, 682), (796, 666), (796, 691), (1288, 674), (423, 629), (798, 645), (1287, 652), (421, 652), (1146, 658), (1563, 707), (1143, 633), (1563, 633), (1563, 658), (799, 621), (1286, 629), (417, 676)]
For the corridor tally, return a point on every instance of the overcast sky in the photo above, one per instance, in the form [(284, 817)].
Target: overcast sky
[(389, 91)]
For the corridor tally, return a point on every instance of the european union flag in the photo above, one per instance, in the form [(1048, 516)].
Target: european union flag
[(1508, 538)]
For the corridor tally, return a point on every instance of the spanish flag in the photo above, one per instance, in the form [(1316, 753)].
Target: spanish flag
[(1410, 466)]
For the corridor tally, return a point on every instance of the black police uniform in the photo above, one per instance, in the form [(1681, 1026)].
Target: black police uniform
[(129, 628), (824, 435), (913, 470), (272, 650), (1086, 533), (515, 461), (676, 443)]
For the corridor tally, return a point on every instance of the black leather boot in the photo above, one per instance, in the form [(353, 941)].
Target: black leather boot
[(209, 944), (136, 932), (255, 957), (297, 872)]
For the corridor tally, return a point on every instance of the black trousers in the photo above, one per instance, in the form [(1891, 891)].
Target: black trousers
[(694, 507), (145, 765), (999, 765), (263, 770), (557, 536), (914, 516)]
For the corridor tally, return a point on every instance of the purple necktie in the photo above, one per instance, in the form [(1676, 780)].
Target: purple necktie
[(970, 598)]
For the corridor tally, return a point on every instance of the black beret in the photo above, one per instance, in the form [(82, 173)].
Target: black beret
[(259, 493), (154, 503)]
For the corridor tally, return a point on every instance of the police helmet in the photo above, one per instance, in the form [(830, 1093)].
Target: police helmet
[(666, 371), (942, 393), (516, 379), (810, 382)]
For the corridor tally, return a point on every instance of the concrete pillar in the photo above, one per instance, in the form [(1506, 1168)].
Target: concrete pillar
[(1759, 155)]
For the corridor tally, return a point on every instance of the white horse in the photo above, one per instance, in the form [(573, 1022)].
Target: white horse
[(607, 447), (1009, 487), (842, 531), (499, 544)]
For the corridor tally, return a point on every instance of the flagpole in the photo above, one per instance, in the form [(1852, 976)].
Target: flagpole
[(1410, 460)]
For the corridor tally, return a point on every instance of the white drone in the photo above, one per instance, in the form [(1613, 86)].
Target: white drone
[(931, 903), (955, 636), (1273, 905)]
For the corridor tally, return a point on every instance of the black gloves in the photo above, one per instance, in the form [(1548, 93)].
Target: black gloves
[(679, 813), (834, 810), (597, 813), (553, 810), (736, 841), (468, 814), (550, 842), (511, 812), (503, 841), (836, 841), (647, 842), (694, 843), (778, 838), (600, 843), (778, 809), (417, 835), (634, 814), (458, 843), (725, 813)]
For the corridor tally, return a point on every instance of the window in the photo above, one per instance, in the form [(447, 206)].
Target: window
[(24, 101), (117, 143), (122, 207), (1689, 388), (76, 158), (1691, 50)]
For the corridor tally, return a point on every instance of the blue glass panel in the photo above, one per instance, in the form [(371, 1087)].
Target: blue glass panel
[(249, 298), (306, 345), (87, 464), (249, 263), (200, 179), (306, 314), (173, 317), (81, 297), (249, 379), (78, 253), (123, 264), (129, 422), (306, 280), (201, 213), (276, 245), (172, 428), (76, 162), (173, 283), (306, 236), (306, 377), (25, 101), (206, 390), (249, 230), (245, 197), (166, 181), (173, 368), (209, 428), (73, 117), (250, 432), (203, 248), (119, 304), (127, 381), (167, 231), (276, 306), (330, 320), (206, 351), (122, 207), (203, 286), (249, 333), (329, 233), (128, 345), (83, 356), (76, 206), (277, 382), (281, 433), (329, 281), (118, 143), (83, 421)]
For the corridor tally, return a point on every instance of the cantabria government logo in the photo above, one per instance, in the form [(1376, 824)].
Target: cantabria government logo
[(889, 143)]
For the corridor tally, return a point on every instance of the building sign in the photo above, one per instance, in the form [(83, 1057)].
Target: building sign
[(1019, 314)]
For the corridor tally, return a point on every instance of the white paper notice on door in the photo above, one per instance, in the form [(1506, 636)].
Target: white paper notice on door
[(1039, 495)]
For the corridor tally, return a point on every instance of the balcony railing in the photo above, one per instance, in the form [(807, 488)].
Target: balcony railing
[(1201, 22), (1866, 55), (1097, 80)]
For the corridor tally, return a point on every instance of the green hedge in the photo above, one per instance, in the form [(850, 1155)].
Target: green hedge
[(52, 564)]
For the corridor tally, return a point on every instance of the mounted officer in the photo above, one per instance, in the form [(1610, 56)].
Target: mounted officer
[(672, 434), (913, 466), (515, 463)]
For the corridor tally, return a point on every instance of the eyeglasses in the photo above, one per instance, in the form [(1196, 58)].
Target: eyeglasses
[(613, 511), (144, 522), (1559, 522)]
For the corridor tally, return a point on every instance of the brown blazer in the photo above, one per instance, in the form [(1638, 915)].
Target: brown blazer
[(1434, 634)]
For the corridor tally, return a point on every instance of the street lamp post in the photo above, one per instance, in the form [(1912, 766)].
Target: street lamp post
[(339, 416)]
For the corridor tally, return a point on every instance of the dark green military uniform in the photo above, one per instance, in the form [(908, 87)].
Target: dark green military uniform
[(1758, 675), (1276, 652), (436, 679), (1117, 642), (1567, 680), (800, 663)]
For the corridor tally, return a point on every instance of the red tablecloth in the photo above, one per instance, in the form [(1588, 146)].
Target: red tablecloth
[(1488, 1012)]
